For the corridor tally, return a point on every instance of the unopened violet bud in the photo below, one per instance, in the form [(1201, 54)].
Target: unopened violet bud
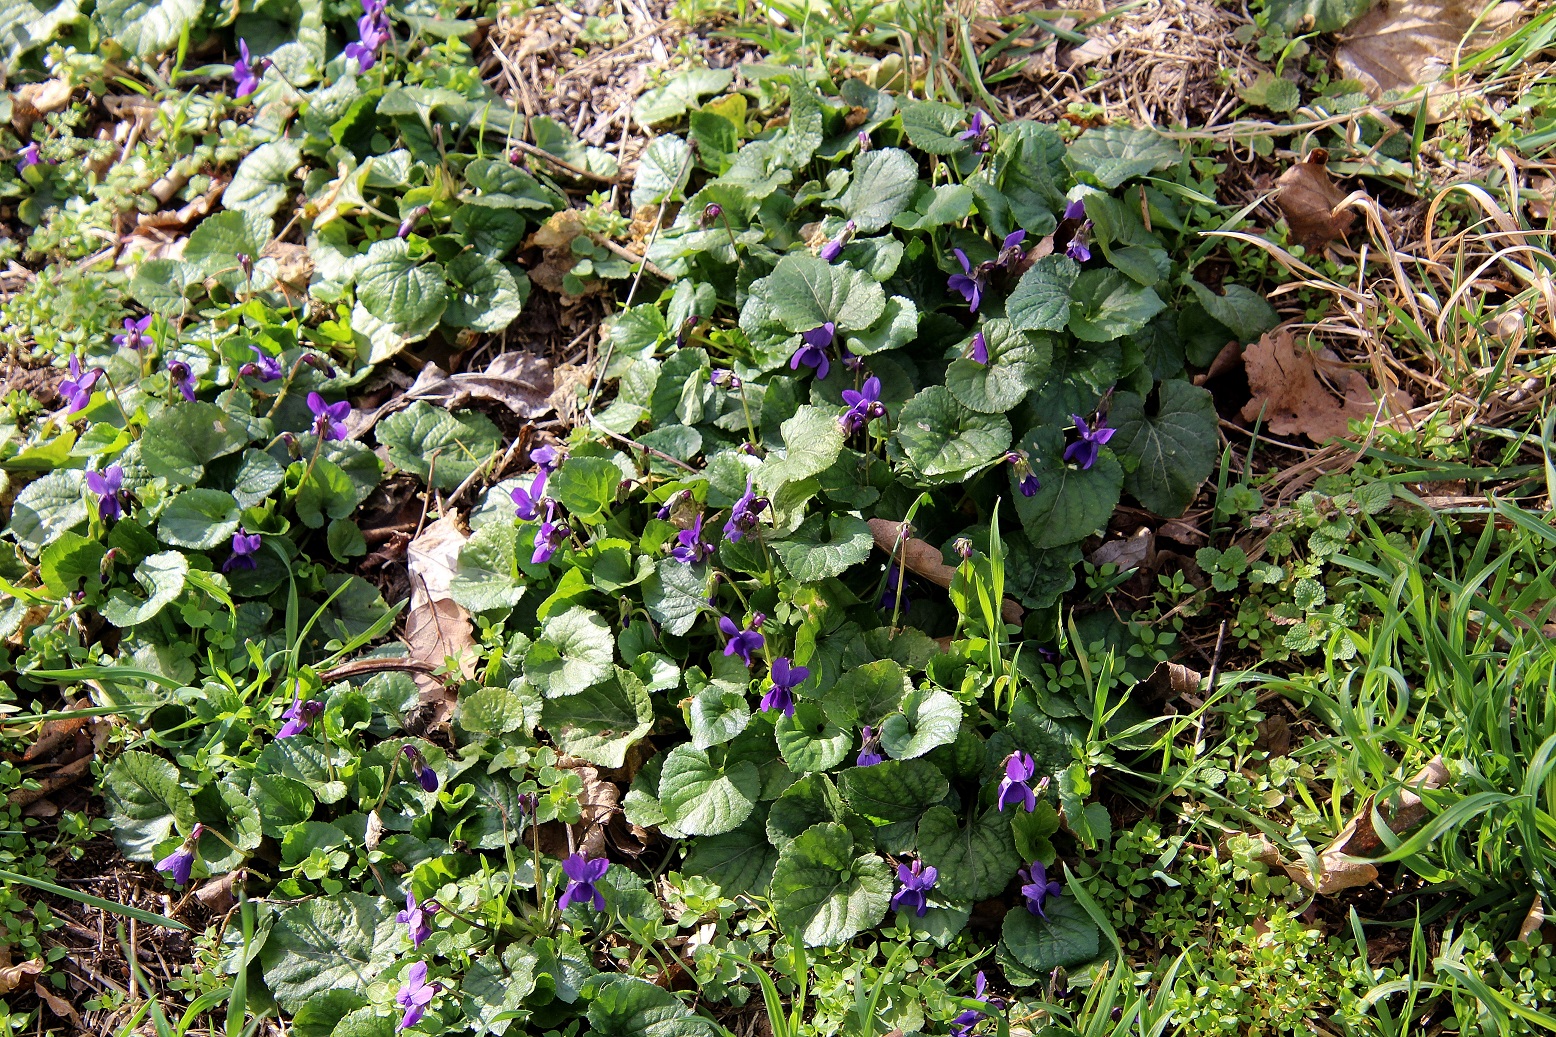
[(245, 263), (963, 547), (409, 223), (711, 212), (864, 140), (290, 442)]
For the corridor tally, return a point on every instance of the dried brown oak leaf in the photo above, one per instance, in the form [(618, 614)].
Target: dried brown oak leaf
[(923, 559), (1307, 197), (436, 628), (1337, 867), (1403, 44), (1284, 378)]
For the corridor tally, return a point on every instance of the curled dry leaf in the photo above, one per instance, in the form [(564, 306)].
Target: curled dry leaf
[(923, 559), (1288, 392), (59, 1006), (437, 629), (1398, 46), (519, 381), (598, 802), (1308, 198), (20, 977), (1338, 867), (1171, 680), (1127, 553), (217, 894)]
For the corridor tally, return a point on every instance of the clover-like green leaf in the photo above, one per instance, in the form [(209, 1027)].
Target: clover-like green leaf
[(717, 714), (702, 798), (942, 437), (809, 741), (822, 548), (1107, 305), (483, 295), (1070, 503), (824, 892), (329, 943), (574, 651), (181, 440), (145, 801), (928, 718), (264, 178), (1041, 299), (812, 439), (437, 444), (1067, 937), (1173, 435), (200, 519), (147, 27), (600, 723), (662, 171), (1112, 154), (896, 790), (883, 185), (1032, 832), (162, 575), (407, 295), (1018, 361), (976, 861)]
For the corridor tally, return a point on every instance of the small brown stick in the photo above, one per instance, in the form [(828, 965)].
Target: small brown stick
[(364, 667), (541, 153)]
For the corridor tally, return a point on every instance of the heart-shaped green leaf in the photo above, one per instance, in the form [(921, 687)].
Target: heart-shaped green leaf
[(1174, 441), (942, 437), (976, 861), (929, 717), (701, 798), (601, 723), (823, 892)]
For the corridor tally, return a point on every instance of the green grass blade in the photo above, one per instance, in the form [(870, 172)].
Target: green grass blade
[(111, 906)]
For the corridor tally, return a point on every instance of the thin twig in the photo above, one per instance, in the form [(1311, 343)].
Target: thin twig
[(541, 153)]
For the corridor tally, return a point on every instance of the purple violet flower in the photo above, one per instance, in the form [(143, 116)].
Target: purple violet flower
[(916, 881), (245, 78), (785, 679), (373, 28), (744, 516), (725, 379), (1084, 451), (743, 642), (180, 863), (1037, 887), (1019, 768), (329, 418), (417, 917), (814, 351), (1026, 479), (134, 334), (264, 366), (28, 156), (414, 996), (77, 389), (107, 485), (582, 875), (977, 127), (1077, 248), (1011, 253), (299, 716), (691, 547), (963, 1024), (864, 141), (182, 378), (978, 350), (549, 536), (896, 591), (869, 748), (527, 502), (1075, 209), (968, 284), (426, 777), (834, 248), (548, 457), (864, 405), (244, 546)]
